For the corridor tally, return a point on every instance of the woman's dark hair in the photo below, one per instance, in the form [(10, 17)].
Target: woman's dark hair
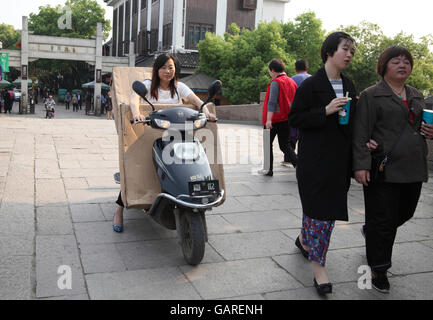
[(390, 53), (331, 43), (277, 65), (158, 64)]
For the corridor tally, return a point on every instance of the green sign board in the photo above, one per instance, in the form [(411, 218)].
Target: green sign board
[(4, 61)]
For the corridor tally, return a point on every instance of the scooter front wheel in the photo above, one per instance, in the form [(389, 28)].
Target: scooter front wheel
[(193, 237)]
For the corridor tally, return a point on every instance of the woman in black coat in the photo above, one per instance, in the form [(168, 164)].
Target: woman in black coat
[(324, 152)]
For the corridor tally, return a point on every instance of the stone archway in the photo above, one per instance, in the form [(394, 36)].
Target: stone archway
[(35, 47)]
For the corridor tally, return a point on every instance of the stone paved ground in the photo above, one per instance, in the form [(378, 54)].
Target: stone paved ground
[(57, 201)]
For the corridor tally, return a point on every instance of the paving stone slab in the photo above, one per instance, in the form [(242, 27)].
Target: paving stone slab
[(341, 265), (102, 232), (410, 287), (69, 164), (15, 277), (73, 297), (412, 257), (239, 278), (51, 253), (17, 245), (101, 258), (46, 169), (415, 230), (75, 183), (103, 182), (345, 291), (274, 188), (53, 221), (109, 208), (17, 218), (86, 212), (50, 192), (239, 189), (218, 225), (82, 196), (270, 202), (263, 221), (253, 297), (251, 245), (230, 205), (151, 284), (158, 253)]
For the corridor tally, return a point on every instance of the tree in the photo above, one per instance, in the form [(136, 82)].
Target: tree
[(304, 38), (85, 14), (9, 36), (240, 59), (371, 42)]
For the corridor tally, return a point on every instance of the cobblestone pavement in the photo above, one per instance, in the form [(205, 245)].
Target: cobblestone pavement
[(57, 201)]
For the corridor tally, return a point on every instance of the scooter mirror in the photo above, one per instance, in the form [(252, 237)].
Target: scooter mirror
[(212, 91), (214, 88), (141, 90)]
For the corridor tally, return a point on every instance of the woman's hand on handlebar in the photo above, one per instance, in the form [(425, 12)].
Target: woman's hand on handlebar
[(211, 116), (139, 118)]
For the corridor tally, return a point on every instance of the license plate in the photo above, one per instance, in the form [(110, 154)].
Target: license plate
[(200, 188)]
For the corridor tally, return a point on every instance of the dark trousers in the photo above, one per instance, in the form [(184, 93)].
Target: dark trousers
[(67, 105), (74, 107), (387, 207), (119, 200), (282, 130)]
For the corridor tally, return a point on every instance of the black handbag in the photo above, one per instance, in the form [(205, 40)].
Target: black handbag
[(379, 162), (377, 171)]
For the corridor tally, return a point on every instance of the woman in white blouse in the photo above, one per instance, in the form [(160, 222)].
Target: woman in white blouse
[(164, 88)]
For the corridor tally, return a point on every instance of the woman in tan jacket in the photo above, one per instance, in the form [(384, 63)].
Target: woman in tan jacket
[(390, 113)]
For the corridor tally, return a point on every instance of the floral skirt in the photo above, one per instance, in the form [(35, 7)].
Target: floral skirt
[(316, 234)]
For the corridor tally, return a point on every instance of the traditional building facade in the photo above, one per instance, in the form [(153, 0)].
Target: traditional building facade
[(178, 25)]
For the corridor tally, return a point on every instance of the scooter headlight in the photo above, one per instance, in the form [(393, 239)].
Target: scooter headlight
[(200, 123), (186, 150), (163, 124)]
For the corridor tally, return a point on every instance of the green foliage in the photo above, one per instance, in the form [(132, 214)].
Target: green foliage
[(85, 14), (9, 36), (304, 39), (371, 42), (240, 59)]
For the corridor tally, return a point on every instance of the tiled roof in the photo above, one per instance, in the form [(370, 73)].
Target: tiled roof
[(188, 60), (198, 81)]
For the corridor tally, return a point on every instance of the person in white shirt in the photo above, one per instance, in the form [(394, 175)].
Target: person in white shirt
[(164, 88)]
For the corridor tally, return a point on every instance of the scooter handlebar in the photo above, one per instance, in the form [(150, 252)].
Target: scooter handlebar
[(146, 121)]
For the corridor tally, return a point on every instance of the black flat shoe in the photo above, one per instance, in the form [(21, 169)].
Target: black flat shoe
[(323, 289), (299, 245)]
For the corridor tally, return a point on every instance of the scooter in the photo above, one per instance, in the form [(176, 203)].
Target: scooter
[(188, 186)]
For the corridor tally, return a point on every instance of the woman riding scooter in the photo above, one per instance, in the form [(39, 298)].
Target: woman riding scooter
[(164, 88)]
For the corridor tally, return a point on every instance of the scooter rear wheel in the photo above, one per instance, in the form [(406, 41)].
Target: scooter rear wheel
[(193, 237)]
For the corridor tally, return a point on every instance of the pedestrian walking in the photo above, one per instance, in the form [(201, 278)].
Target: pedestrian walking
[(279, 96), (390, 113), (74, 101), (88, 101), (68, 99), (324, 152), (79, 100), (109, 106), (301, 68)]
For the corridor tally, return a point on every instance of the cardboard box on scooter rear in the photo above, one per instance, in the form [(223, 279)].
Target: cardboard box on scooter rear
[(138, 179)]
